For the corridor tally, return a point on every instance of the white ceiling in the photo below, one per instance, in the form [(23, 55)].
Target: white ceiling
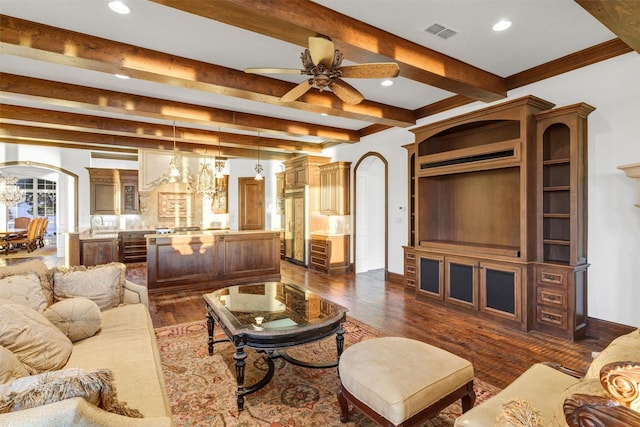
[(542, 30)]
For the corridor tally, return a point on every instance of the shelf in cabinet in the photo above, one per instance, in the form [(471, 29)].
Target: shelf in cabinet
[(556, 161), (558, 188), (557, 242), (556, 215)]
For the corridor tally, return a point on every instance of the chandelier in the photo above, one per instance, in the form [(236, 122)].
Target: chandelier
[(175, 169), (206, 183), (10, 193), (258, 167)]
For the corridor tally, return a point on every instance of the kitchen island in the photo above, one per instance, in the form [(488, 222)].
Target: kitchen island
[(211, 259)]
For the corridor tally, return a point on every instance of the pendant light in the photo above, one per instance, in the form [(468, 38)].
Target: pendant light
[(258, 168), (219, 162), (174, 163)]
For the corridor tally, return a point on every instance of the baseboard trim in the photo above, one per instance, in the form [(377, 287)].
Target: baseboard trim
[(606, 330), (395, 278)]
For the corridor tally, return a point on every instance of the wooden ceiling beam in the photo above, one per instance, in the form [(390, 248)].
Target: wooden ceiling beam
[(296, 20), (69, 95), (66, 137), (42, 42), (621, 17), (110, 126)]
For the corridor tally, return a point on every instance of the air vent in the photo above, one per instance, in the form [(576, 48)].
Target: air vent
[(440, 31)]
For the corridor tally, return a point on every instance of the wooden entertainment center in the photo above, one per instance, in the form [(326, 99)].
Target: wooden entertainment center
[(498, 215)]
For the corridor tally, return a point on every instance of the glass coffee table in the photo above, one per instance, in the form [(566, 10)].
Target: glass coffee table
[(271, 317)]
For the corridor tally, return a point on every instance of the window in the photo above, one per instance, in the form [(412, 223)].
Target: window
[(40, 201)]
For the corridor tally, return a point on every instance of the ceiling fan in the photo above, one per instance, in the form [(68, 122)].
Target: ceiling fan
[(323, 62)]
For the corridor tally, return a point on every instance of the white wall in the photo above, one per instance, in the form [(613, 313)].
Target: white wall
[(613, 87)]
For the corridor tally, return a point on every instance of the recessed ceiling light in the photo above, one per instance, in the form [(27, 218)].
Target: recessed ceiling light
[(122, 76), (324, 114), (502, 25), (386, 82), (119, 7)]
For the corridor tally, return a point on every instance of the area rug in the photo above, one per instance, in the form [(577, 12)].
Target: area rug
[(49, 250), (202, 388)]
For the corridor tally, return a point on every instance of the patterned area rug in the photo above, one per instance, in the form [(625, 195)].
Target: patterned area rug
[(202, 388)]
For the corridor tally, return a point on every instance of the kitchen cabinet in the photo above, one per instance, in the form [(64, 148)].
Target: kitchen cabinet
[(329, 252), (99, 250), (113, 191), (334, 188)]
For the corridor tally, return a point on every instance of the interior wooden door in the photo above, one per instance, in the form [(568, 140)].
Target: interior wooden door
[(251, 200)]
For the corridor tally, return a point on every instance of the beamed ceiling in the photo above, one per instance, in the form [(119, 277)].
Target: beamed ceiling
[(185, 61)]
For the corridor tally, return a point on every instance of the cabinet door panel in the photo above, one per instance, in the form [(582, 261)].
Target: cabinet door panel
[(430, 276), (500, 289), (462, 282)]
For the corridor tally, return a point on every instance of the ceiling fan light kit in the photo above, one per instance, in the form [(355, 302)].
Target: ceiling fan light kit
[(323, 63)]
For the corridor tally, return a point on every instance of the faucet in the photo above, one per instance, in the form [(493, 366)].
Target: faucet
[(93, 218)]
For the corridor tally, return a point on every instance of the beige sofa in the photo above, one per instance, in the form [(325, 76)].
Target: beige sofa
[(125, 344), (545, 387)]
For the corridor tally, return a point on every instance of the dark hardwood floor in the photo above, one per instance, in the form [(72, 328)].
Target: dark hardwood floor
[(498, 354)]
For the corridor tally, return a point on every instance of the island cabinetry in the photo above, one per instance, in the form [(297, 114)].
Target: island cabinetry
[(113, 191), (211, 260), (561, 273), (334, 188), (98, 250), (329, 252)]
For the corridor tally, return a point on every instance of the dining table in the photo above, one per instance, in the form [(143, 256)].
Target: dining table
[(7, 235)]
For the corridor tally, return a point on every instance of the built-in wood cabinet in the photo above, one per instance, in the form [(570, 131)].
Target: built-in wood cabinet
[(329, 252), (498, 215), (409, 267), (561, 279), (302, 205), (334, 188), (96, 251), (113, 191)]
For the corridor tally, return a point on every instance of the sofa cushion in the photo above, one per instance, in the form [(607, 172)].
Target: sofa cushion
[(24, 289), (103, 284), (10, 367), (78, 318), (127, 346), (625, 347), (49, 387), (32, 266), (32, 338), (540, 384)]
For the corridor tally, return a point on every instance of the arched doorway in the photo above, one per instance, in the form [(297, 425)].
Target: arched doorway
[(66, 198), (370, 213)]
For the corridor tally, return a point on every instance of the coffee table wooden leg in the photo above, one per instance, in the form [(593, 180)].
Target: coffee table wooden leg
[(210, 325), (240, 357)]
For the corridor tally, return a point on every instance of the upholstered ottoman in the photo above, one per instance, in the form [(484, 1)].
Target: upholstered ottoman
[(400, 382)]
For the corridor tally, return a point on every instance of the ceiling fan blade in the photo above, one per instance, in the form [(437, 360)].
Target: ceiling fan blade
[(321, 51), (272, 71), (297, 91), (346, 92), (376, 70)]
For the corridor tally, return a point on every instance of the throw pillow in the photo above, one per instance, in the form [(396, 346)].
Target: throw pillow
[(78, 318), (32, 338), (32, 266), (103, 284), (49, 387), (24, 289), (10, 367)]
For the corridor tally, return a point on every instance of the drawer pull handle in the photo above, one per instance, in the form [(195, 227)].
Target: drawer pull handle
[(551, 298)]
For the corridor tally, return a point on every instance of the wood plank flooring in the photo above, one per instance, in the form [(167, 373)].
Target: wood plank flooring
[(498, 354)]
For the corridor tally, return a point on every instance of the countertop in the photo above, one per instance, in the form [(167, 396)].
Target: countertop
[(328, 233), (153, 235)]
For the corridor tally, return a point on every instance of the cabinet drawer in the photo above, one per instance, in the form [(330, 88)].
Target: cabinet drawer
[(410, 257), (410, 282), (552, 297), (319, 247), (552, 277), (550, 317), (410, 270)]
